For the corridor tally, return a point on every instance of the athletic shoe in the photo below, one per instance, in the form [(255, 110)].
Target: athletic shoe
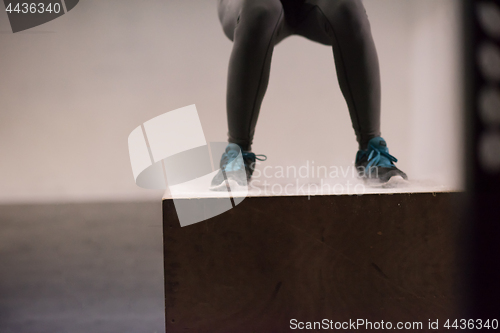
[(235, 169), (376, 164)]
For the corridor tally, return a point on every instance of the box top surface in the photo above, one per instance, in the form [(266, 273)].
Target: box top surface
[(302, 187)]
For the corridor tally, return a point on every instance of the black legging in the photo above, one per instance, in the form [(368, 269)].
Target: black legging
[(256, 26)]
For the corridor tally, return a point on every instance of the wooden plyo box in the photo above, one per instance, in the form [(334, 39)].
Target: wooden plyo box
[(390, 257)]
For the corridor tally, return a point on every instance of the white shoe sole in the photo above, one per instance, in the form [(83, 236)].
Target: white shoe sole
[(233, 185), (393, 182)]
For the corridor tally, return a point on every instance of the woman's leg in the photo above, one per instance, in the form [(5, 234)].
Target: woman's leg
[(344, 25), (255, 27)]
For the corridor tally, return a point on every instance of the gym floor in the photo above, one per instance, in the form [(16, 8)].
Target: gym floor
[(81, 268)]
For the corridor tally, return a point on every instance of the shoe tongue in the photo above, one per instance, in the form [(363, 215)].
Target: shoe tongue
[(379, 143), (233, 164)]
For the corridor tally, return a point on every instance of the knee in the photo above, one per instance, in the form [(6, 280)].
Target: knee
[(260, 16), (349, 15)]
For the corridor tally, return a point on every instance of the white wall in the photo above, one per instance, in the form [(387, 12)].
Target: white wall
[(74, 88), (436, 113)]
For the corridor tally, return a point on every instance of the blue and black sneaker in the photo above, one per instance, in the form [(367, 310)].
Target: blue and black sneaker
[(235, 169), (376, 164)]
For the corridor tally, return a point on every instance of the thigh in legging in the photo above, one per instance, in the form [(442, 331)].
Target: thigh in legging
[(229, 12), (344, 25)]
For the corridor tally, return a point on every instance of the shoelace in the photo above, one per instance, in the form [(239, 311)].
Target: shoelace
[(233, 154), (375, 157), (253, 157)]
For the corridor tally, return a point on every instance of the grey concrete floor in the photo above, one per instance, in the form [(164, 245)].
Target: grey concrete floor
[(81, 268)]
